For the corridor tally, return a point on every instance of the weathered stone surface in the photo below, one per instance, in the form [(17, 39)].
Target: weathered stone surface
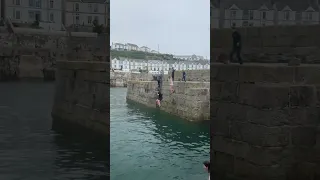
[(260, 135), (82, 96), (190, 99), (270, 44)]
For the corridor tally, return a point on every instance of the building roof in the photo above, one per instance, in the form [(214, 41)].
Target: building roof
[(89, 1), (132, 45), (246, 4), (295, 5)]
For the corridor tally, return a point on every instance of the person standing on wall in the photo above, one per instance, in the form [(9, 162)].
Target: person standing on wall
[(184, 75), (172, 74), (236, 48)]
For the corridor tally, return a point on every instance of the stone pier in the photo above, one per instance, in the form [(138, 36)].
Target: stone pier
[(190, 101), (265, 121), (82, 94)]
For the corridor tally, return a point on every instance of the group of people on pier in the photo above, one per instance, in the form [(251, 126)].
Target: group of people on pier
[(171, 80)]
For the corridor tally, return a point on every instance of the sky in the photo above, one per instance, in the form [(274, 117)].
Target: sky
[(179, 27)]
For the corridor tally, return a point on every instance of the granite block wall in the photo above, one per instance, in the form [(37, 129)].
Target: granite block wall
[(30, 53), (191, 100), (120, 79), (192, 75), (265, 121), (270, 44), (82, 94)]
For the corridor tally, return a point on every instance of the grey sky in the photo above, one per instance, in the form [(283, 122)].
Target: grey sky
[(180, 27)]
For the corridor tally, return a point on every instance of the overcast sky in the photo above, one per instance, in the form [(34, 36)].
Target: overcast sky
[(180, 27)]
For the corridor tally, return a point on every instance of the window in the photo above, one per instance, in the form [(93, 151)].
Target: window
[(298, 16), (245, 14), (31, 3), (51, 4), (77, 7), (309, 16), (286, 15), (51, 17), (233, 14), (96, 18), (17, 14), (38, 16), (31, 15), (18, 2), (90, 7), (245, 23), (89, 19), (250, 15), (95, 8), (77, 19), (38, 3), (264, 15)]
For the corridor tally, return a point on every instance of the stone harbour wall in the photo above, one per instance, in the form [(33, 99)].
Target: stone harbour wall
[(270, 44), (120, 79), (82, 94), (190, 101), (32, 53), (265, 121), (192, 75)]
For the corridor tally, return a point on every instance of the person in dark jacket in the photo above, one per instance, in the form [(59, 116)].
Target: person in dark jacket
[(159, 81), (184, 76), (236, 48), (172, 73)]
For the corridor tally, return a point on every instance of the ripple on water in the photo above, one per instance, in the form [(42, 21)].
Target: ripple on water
[(150, 144)]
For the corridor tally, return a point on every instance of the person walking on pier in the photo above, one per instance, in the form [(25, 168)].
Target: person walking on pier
[(184, 76), (206, 166), (236, 48)]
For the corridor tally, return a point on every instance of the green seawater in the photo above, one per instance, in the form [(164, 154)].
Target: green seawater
[(148, 144)]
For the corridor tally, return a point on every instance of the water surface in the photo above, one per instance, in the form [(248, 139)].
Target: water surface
[(31, 150), (148, 144)]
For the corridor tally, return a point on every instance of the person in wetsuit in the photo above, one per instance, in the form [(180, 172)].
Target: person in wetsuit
[(236, 48)]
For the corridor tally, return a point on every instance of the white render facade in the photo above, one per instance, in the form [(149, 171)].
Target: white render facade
[(84, 12), (47, 12), (262, 13), (157, 65)]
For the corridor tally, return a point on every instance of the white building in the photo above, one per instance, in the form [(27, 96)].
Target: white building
[(118, 46), (144, 49), (239, 13), (82, 13), (131, 47), (189, 57), (48, 13), (157, 65)]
